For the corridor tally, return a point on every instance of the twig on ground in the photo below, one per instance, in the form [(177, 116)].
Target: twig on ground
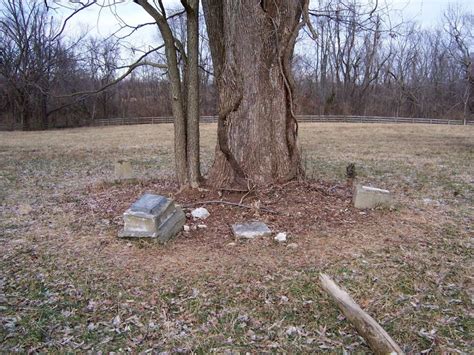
[(218, 202), (233, 190), (335, 187), (250, 189)]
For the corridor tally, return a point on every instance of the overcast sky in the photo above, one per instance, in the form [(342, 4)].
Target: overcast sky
[(425, 12)]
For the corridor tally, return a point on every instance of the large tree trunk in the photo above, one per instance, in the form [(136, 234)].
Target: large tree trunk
[(252, 44)]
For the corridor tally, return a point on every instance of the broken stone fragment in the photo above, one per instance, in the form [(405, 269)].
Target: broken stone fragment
[(153, 216), (200, 213), (251, 230), (371, 197)]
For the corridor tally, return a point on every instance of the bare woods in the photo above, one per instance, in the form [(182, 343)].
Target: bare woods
[(350, 59)]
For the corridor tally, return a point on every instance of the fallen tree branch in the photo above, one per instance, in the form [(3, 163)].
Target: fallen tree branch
[(377, 338), (217, 202), (232, 190)]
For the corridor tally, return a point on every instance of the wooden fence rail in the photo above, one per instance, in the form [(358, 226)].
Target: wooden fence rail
[(301, 118)]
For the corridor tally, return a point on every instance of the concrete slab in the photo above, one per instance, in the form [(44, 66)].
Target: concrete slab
[(250, 230)]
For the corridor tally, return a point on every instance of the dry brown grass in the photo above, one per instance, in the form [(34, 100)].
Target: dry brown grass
[(71, 285)]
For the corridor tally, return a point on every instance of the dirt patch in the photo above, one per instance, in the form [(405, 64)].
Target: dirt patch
[(317, 215), (295, 207)]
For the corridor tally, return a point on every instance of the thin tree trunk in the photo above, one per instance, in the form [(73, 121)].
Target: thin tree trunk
[(43, 101), (177, 108), (24, 111), (177, 104), (251, 45), (192, 87)]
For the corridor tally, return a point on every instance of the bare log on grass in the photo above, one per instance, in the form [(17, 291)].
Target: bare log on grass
[(377, 338)]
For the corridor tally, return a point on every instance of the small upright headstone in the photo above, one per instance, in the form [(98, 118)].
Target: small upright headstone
[(371, 197), (153, 216), (251, 230), (123, 170)]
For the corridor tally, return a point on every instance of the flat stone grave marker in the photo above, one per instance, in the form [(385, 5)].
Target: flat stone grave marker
[(153, 216), (250, 230), (371, 197)]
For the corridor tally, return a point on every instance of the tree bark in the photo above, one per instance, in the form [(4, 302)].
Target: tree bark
[(43, 110), (177, 105), (252, 45), (192, 87)]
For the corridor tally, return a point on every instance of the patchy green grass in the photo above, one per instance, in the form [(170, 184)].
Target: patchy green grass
[(68, 284)]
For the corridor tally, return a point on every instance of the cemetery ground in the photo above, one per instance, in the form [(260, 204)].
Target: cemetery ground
[(69, 284)]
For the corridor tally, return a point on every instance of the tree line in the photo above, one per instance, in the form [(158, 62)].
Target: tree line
[(356, 65), (362, 66)]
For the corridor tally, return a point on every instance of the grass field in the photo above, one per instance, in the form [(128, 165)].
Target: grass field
[(68, 284)]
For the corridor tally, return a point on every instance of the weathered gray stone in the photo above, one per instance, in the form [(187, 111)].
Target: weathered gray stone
[(371, 197), (123, 170), (171, 226), (200, 213), (153, 216), (152, 204), (251, 230)]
